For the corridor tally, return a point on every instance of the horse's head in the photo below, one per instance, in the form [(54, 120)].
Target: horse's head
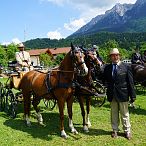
[(91, 58), (93, 63), (78, 60)]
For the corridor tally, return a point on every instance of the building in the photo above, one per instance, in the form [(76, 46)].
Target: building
[(35, 54)]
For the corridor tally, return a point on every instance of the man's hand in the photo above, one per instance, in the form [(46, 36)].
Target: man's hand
[(25, 64)]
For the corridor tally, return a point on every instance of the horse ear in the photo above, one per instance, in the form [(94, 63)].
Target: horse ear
[(72, 46)]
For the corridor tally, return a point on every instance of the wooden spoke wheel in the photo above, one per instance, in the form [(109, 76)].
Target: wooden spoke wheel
[(2, 97), (11, 104), (50, 104), (99, 100)]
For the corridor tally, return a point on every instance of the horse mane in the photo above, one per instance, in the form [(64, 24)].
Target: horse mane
[(66, 62)]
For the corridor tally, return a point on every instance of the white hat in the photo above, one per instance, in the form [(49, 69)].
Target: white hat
[(114, 51), (95, 47), (20, 45)]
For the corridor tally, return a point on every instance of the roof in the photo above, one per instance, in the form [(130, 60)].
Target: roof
[(52, 51), (56, 51), (37, 52)]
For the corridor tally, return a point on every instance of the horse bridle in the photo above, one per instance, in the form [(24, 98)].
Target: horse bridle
[(75, 63)]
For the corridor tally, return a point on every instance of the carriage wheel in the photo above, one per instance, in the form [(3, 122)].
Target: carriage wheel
[(100, 89), (2, 99), (11, 104), (50, 104)]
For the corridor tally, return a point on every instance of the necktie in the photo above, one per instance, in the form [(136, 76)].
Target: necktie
[(114, 71)]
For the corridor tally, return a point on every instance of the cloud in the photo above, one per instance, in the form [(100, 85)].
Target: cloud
[(54, 35), (14, 41), (57, 2), (80, 4), (87, 10), (75, 24)]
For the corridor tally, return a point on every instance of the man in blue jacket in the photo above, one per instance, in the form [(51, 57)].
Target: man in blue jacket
[(120, 86)]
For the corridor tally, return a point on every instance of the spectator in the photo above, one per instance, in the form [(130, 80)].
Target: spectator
[(95, 49), (120, 86)]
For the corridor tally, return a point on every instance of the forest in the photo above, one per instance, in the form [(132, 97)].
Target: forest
[(126, 42)]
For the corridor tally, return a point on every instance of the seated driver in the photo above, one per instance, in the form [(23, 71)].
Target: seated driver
[(23, 59)]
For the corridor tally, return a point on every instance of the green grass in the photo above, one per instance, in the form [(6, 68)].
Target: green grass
[(14, 132)]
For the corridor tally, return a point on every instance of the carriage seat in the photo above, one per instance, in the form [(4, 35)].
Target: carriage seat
[(15, 78)]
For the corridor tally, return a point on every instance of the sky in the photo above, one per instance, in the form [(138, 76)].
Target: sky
[(23, 20)]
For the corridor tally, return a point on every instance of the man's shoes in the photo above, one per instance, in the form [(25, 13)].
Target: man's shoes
[(114, 134), (128, 136)]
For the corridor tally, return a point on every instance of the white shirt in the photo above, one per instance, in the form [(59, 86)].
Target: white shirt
[(21, 56)]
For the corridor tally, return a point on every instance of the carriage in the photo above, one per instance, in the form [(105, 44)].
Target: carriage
[(11, 96)]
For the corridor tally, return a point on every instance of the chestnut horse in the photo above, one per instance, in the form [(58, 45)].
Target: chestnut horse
[(55, 84), (87, 82)]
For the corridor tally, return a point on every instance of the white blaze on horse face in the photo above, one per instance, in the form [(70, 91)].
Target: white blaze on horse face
[(84, 65)]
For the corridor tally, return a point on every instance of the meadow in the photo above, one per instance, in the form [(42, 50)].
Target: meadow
[(14, 132)]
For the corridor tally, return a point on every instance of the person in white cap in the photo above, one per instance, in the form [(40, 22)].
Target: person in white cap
[(23, 59), (136, 57), (120, 85), (100, 60)]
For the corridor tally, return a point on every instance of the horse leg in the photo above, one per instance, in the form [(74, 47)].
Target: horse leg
[(61, 103), (88, 110), (27, 104), (69, 108), (81, 102), (35, 103)]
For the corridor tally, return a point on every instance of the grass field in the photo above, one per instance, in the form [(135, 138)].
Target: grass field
[(14, 132)]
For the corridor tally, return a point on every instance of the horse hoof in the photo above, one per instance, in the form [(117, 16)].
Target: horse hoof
[(64, 136), (85, 128), (42, 124), (74, 131), (86, 131), (28, 124), (89, 125)]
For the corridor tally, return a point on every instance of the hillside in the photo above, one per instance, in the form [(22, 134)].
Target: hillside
[(125, 40)]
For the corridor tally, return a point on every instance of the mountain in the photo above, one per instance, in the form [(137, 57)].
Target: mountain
[(121, 18)]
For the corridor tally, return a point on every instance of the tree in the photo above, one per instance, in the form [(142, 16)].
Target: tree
[(46, 60), (11, 50), (3, 56), (59, 58)]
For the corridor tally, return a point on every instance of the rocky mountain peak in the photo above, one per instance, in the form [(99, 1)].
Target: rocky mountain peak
[(121, 18), (120, 9)]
